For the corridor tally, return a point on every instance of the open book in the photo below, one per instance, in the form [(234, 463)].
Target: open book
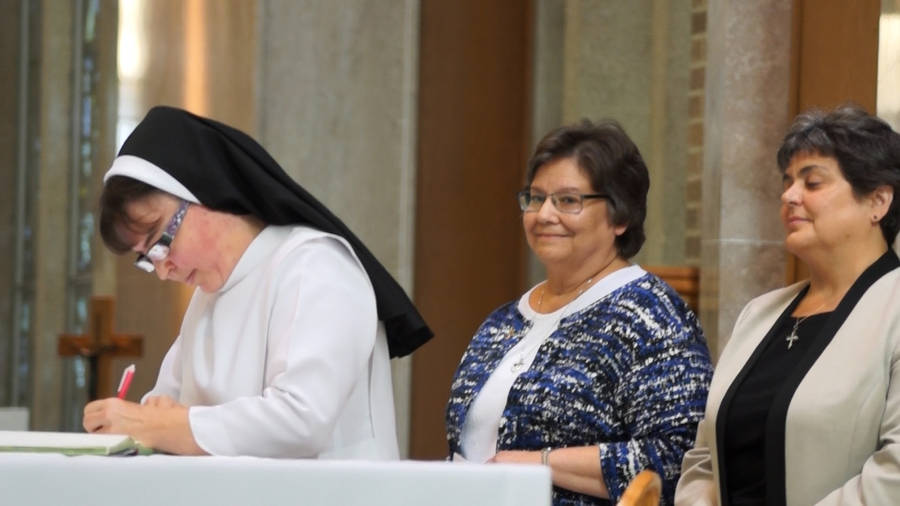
[(70, 443)]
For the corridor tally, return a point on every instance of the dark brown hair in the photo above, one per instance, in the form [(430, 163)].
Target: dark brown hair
[(118, 193), (614, 166), (866, 148)]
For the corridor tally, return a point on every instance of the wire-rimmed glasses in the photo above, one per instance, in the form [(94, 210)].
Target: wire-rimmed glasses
[(159, 251), (564, 202)]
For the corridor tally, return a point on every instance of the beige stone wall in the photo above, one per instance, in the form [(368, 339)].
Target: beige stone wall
[(337, 108), (628, 61)]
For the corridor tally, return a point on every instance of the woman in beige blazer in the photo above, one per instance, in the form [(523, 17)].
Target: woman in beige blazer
[(804, 406)]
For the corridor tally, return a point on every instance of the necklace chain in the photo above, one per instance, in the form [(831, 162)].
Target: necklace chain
[(581, 289), (519, 363), (793, 337)]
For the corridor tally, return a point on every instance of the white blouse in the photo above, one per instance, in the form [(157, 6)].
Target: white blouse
[(478, 438), (288, 358)]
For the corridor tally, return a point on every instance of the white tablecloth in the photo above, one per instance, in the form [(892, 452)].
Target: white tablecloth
[(57, 480)]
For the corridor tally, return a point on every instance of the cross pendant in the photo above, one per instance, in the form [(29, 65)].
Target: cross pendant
[(791, 338)]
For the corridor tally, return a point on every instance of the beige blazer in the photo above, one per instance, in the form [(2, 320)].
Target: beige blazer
[(842, 435)]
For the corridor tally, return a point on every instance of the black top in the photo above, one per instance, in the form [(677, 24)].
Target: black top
[(228, 171), (745, 429)]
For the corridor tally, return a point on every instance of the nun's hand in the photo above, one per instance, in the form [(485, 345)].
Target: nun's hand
[(160, 401), (162, 425)]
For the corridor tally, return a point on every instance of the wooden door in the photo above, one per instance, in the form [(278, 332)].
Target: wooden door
[(473, 133), (834, 60)]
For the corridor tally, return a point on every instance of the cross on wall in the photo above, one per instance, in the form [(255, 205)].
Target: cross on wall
[(100, 345)]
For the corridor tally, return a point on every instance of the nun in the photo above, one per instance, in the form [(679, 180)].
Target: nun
[(284, 348)]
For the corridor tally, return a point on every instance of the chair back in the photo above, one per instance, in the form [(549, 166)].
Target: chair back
[(644, 490), (684, 279)]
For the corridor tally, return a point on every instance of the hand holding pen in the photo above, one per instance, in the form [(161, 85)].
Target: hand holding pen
[(160, 422)]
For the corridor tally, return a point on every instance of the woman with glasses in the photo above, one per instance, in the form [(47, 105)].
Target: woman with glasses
[(284, 348), (601, 370)]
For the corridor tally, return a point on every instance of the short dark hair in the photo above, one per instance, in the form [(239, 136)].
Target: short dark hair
[(118, 193), (866, 148), (613, 165)]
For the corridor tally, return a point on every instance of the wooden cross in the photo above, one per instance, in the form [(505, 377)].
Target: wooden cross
[(100, 345)]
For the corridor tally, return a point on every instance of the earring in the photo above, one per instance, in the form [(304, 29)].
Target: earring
[(875, 218)]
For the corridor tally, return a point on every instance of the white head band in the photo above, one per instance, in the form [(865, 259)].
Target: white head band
[(146, 172)]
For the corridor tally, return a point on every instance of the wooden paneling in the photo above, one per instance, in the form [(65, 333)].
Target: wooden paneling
[(837, 53), (473, 144), (835, 60)]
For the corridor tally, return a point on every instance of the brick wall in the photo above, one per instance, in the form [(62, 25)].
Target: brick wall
[(696, 98)]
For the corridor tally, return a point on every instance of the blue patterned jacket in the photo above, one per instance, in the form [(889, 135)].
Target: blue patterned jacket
[(629, 374)]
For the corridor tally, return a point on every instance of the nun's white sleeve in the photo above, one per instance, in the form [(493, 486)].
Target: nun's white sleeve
[(169, 380), (320, 331)]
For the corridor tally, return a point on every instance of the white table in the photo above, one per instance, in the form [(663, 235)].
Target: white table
[(51, 479)]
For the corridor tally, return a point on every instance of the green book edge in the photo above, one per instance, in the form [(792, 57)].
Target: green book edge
[(127, 446)]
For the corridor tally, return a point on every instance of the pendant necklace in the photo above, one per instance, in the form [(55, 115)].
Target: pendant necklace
[(793, 337)]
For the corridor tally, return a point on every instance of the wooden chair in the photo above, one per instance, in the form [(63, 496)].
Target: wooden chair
[(684, 279), (644, 490)]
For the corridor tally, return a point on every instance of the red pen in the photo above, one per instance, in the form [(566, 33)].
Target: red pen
[(125, 382)]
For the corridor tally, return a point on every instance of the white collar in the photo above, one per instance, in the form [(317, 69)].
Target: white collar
[(600, 289)]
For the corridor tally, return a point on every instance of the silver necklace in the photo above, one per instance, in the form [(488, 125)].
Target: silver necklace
[(519, 364), (793, 337)]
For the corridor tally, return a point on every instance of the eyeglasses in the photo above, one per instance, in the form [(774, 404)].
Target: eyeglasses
[(564, 202), (160, 249)]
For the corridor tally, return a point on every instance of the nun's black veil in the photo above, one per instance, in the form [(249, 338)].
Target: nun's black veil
[(229, 171)]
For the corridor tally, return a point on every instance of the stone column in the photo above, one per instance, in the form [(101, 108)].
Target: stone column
[(337, 88), (747, 113), (627, 61), (11, 34), (51, 212)]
